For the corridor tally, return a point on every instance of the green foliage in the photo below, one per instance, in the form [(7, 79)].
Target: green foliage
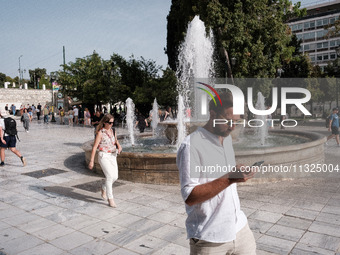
[(94, 80), (252, 32), (35, 75)]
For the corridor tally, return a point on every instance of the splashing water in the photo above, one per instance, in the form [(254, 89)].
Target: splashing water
[(130, 119), (155, 116), (262, 132), (195, 60)]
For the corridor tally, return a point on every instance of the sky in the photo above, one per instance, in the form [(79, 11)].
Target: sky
[(37, 30)]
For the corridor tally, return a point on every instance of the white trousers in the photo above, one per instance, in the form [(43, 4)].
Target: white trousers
[(108, 163)]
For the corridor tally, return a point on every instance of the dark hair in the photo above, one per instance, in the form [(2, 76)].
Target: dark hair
[(102, 122), (226, 99)]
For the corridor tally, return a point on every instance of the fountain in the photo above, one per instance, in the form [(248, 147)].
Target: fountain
[(155, 162)]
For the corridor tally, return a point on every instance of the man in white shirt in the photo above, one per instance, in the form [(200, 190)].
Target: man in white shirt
[(208, 176)]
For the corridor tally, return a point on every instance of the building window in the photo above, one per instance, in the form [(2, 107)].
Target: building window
[(319, 57), (332, 56), (312, 58), (325, 57)]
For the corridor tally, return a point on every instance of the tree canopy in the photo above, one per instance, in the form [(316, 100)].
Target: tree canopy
[(254, 33)]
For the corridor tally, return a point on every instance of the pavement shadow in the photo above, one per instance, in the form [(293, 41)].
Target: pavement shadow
[(77, 164), (53, 191)]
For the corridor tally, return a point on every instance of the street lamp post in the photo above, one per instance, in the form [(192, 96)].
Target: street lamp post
[(19, 71), (338, 76)]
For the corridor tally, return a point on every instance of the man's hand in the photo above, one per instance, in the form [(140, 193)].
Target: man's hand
[(242, 174), (3, 141)]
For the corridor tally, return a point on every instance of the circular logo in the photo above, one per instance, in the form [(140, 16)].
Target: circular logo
[(60, 95)]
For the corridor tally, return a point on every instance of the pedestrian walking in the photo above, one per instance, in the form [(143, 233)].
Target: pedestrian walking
[(46, 112), (38, 111), (70, 117), (76, 115), (8, 132), (107, 143), (215, 223), (87, 117), (61, 115), (334, 125), (26, 118)]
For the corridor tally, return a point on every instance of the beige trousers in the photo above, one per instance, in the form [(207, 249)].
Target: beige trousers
[(244, 244)]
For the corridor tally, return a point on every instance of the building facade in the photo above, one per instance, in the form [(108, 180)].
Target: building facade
[(316, 42)]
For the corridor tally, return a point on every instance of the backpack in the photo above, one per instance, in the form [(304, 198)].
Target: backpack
[(11, 127)]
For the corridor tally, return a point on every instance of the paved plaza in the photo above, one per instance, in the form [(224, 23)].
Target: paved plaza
[(53, 205)]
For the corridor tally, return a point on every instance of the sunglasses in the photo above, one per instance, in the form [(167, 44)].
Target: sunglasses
[(109, 122)]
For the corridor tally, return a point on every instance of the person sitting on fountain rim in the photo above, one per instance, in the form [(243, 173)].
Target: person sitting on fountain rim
[(107, 143), (215, 222)]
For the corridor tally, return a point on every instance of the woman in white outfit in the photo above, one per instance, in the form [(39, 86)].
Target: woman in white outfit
[(108, 145)]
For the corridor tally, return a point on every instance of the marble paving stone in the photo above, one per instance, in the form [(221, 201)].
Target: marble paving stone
[(260, 252), (122, 251), (97, 247), (20, 244), (10, 233), (100, 229), (71, 241), (287, 233), (182, 241), (179, 222), (304, 249), (43, 249), (145, 225), (80, 222), (302, 213), (325, 228), (172, 249), (275, 245), (331, 209), (21, 219), (251, 204), (146, 244), (127, 206), (329, 218), (144, 211), (48, 210), (124, 219), (248, 211), (321, 241), (62, 216), (4, 225), (168, 233), (275, 208), (36, 225), (53, 232), (259, 226), (266, 216), (10, 212), (164, 216), (123, 236), (163, 204), (309, 205), (142, 200), (293, 222)]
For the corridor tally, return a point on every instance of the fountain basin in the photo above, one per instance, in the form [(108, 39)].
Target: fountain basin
[(160, 168)]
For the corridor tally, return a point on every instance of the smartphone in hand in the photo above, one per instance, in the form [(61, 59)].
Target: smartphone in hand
[(258, 163)]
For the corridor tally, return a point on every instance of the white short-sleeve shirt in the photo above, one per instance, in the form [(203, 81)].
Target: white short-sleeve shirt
[(218, 219)]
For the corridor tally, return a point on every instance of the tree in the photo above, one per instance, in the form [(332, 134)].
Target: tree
[(36, 75), (252, 32), (2, 79)]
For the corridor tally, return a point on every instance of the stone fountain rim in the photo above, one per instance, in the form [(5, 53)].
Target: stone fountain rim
[(315, 137)]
